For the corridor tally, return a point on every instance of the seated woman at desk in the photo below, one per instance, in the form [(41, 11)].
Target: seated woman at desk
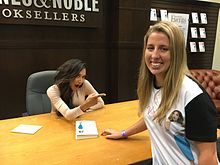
[(176, 110), (72, 95)]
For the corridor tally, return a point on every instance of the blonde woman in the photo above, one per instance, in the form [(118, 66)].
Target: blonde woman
[(165, 86)]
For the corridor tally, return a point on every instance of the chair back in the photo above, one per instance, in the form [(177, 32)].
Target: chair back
[(37, 101), (210, 80)]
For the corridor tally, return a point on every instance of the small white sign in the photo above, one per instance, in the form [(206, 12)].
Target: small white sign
[(195, 18), (153, 14), (202, 33), (194, 33), (163, 15), (193, 47), (203, 18), (201, 46)]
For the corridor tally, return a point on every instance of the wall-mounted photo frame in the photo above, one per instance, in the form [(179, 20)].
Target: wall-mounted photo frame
[(194, 33), (201, 47), (202, 32), (163, 15), (153, 14), (203, 17), (195, 17), (193, 47)]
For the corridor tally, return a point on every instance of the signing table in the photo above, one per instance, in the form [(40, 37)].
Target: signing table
[(55, 142)]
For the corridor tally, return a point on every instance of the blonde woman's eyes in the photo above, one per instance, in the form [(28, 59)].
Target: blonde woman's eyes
[(150, 49), (161, 49), (164, 49)]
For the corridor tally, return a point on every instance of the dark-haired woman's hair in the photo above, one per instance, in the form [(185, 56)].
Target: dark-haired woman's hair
[(66, 72), (180, 118)]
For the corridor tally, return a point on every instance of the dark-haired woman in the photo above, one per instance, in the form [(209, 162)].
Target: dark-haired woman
[(72, 95)]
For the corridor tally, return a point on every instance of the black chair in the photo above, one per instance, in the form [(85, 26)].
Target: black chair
[(37, 101)]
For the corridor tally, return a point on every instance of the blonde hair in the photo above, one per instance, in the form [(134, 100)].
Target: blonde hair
[(175, 73)]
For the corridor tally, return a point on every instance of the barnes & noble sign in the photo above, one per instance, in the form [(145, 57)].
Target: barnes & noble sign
[(81, 13)]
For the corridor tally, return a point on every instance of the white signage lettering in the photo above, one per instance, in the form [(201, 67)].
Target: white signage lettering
[(86, 5), (52, 11)]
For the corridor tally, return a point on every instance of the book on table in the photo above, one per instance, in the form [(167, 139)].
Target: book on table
[(86, 129)]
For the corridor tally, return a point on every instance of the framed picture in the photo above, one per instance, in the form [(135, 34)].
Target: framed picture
[(202, 33), (193, 47), (203, 18), (194, 33), (201, 46), (153, 14), (195, 18)]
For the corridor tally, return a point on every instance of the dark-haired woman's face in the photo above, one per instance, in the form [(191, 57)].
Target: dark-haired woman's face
[(175, 116), (78, 81)]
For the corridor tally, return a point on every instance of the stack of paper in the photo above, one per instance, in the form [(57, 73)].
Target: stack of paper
[(25, 128), (86, 129)]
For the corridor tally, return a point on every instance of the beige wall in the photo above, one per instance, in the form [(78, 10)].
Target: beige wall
[(216, 58)]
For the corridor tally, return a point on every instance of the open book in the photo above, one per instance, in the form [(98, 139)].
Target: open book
[(86, 129)]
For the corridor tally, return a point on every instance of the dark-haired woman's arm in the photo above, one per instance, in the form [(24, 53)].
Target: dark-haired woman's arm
[(58, 104), (90, 91)]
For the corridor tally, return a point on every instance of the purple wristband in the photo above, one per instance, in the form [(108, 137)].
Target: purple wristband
[(123, 134)]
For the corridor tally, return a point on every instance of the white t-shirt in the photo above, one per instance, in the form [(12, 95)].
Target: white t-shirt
[(172, 142), (78, 98)]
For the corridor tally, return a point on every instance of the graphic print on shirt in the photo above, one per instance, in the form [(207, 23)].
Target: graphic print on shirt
[(175, 124)]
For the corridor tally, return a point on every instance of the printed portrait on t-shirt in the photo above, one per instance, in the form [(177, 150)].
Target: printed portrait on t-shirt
[(175, 124)]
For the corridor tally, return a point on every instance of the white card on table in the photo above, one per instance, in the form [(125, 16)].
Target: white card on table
[(26, 128)]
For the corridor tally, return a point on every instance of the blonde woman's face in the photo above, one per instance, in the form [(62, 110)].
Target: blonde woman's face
[(78, 81), (157, 54)]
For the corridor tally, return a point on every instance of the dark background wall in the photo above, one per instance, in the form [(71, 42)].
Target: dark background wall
[(133, 24), (195, 59), (112, 51)]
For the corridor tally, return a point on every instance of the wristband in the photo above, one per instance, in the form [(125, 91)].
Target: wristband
[(123, 134)]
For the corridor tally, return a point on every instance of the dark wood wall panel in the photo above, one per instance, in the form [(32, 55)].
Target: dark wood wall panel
[(128, 73), (25, 49), (15, 69), (133, 15), (111, 60), (198, 59), (112, 52)]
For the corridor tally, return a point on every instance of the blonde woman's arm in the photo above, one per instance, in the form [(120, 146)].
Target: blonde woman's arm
[(207, 153), (138, 127)]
